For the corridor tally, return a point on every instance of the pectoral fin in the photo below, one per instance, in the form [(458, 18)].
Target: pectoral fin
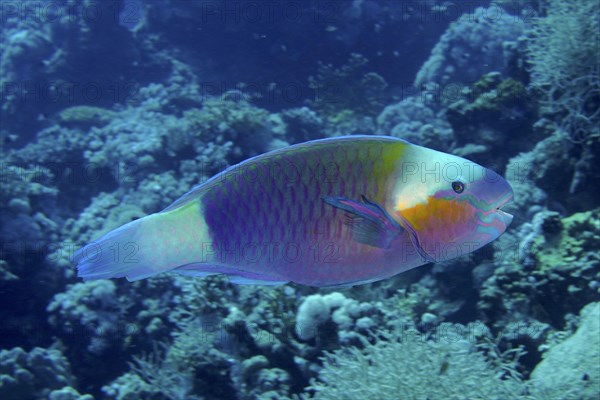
[(372, 225), (369, 222)]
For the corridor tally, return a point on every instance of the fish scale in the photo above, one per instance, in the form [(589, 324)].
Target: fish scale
[(331, 212), (290, 228)]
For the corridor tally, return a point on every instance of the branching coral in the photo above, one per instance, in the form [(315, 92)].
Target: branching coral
[(565, 65), (408, 367)]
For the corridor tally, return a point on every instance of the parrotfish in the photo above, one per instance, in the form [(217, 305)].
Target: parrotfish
[(332, 212)]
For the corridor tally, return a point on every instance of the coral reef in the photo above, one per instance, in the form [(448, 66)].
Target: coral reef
[(414, 120), (348, 88), (494, 110), (572, 366), (28, 197), (410, 366), (35, 374), (44, 71), (554, 271), (564, 59), (481, 36), (68, 393), (92, 309), (323, 317), (302, 124), (173, 109), (552, 175)]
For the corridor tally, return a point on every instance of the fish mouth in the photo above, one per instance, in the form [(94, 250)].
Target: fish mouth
[(505, 217)]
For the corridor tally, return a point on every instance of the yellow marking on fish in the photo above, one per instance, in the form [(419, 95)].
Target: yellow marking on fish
[(385, 168), (390, 156), (436, 213)]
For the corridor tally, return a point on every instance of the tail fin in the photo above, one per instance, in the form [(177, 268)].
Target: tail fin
[(148, 246), (114, 255)]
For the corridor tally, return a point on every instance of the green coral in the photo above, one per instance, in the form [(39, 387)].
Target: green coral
[(494, 106), (554, 272), (491, 96), (500, 96), (569, 240)]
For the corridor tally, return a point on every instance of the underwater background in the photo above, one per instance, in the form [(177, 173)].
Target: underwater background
[(112, 109)]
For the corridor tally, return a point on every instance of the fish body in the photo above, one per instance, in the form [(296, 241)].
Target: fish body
[(330, 212)]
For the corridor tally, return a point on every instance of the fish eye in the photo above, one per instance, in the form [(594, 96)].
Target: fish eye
[(458, 186)]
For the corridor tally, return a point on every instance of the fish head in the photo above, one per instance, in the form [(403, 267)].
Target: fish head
[(453, 207)]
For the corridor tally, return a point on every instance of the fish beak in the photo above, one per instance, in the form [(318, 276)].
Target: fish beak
[(505, 217)]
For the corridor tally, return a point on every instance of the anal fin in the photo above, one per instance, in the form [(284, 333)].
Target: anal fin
[(234, 275)]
